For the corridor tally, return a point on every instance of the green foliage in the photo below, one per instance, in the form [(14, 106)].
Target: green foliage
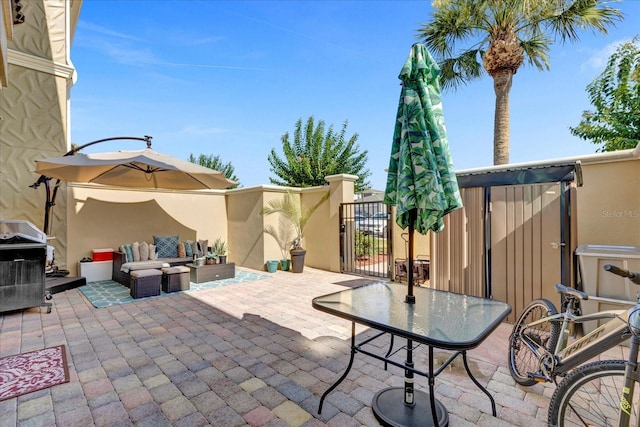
[(469, 38), (215, 163), (363, 245), (314, 154), (219, 247), (476, 24), (615, 94), (289, 208), (283, 235)]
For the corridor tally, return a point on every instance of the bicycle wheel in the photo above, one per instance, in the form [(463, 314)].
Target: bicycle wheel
[(522, 361), (590, 395)]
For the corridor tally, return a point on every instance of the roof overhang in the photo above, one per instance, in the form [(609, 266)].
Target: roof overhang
[(521, 175), (559, 170)]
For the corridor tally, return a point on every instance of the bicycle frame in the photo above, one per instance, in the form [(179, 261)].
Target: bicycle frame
[(606, 336), (631, 376), (581, 393)]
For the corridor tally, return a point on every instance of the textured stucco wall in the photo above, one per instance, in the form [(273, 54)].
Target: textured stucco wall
[(251, 247), (34, 113), (109, 217), (100, 217)]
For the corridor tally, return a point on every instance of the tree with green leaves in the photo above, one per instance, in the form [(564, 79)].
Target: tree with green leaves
[(215, 163), (315, 153), (498, 36), (292, 211), (615, 94)]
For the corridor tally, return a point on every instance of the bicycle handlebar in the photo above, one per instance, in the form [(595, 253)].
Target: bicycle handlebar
[(634, 277)]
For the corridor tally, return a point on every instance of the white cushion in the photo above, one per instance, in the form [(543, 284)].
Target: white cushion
[(144, 251), (135, 248)]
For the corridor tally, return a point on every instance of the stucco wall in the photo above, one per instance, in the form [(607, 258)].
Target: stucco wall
[(106, 217), (608, 204), (109, 217), (247, 242), (34, 112), (251, 247)]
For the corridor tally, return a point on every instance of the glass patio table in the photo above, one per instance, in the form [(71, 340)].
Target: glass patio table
[(437, 319)]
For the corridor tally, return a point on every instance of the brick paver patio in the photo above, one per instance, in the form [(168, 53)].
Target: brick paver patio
[(253, 353)]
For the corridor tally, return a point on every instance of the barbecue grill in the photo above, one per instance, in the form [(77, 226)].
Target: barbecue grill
[(23, 257)]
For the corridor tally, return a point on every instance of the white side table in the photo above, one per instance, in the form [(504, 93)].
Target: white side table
[(96, 270)]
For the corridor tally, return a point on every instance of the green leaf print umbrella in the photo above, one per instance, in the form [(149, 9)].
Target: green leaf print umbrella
[(421, 177), (422, 184), (421, 181)]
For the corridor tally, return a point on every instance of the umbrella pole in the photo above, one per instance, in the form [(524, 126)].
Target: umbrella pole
[(410, 299), (51, 198)]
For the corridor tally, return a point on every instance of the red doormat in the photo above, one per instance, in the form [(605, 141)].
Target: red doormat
[(35, 370)]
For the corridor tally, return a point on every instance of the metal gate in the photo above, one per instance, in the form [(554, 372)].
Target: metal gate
[(365, 239)]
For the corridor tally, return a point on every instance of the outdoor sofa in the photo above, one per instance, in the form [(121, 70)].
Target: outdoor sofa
[(168, 251)]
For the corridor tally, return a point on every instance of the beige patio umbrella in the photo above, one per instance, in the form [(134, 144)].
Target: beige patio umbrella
[(137, 169), (133, 169)]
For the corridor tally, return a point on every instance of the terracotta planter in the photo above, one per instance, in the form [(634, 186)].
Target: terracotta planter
[(210, 261), (297, 260)]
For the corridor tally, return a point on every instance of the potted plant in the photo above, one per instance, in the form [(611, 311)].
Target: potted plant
[(272, 266), (284, 236), (220, 249), (289, 208), (210, 258)]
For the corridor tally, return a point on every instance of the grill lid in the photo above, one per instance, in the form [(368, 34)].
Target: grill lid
[(20, 231)]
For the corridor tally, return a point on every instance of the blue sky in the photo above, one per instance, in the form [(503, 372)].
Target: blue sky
[(229, 78)]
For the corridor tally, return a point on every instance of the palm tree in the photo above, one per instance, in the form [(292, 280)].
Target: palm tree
[(289, 207), (502, 35)]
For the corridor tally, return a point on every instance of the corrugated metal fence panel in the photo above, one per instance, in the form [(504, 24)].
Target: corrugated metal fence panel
[(457, 262), (524, 225), (474, 199)]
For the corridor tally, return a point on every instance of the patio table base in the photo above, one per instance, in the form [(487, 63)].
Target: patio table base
[(389, 408)]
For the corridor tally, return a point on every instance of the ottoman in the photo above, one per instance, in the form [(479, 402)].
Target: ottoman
[(145, 283), (175, 279)]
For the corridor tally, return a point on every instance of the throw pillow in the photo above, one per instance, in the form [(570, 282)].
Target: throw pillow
[(194, 248), (167, 246), (123, 251), (153, 255), (135, 248), (181, 250), (144, 251), (129, 252), (187, 249), (204, 244)]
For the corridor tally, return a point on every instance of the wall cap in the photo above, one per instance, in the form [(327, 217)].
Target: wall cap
[(341, 177)]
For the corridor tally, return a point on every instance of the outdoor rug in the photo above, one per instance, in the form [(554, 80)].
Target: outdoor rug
[(35, 370), (106, 293)]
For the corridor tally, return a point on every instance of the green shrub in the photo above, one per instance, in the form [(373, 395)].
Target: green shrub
[(363, 245)]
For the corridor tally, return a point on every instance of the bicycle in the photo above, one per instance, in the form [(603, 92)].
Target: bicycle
[(600, 393)]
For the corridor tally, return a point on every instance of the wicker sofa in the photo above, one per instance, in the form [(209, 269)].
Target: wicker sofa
[(122, 276)]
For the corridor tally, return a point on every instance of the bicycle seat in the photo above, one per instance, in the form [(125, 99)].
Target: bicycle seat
[(571, 291)]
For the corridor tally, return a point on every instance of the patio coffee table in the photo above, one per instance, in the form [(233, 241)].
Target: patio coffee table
[(438, 319), (211, 272)]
